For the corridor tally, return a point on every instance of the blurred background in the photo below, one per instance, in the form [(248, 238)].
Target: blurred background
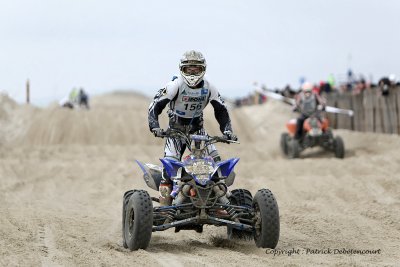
[(136, 45)]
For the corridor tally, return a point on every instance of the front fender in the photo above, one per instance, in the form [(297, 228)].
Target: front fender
[(151, 174), (171, 166), (227, 166)]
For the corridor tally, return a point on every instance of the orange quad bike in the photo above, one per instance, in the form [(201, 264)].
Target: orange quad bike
[(316, 132)]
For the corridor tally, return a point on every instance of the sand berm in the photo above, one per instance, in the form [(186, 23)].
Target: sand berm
[(63, 174)]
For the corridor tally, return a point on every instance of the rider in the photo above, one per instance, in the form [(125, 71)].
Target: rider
[(187, 96), (83, 98), (385, 83), (307, 102), (73, 95)]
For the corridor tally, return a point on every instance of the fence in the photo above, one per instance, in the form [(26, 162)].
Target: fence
[(372, 111)]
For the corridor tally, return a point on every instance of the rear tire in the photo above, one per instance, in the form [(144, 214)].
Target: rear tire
[(284, 143), (240, 197), (125, 201), (339, 147), (267, 226), (138, 220), (293, 149)]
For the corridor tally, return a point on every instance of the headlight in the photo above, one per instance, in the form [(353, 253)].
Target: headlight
[(200, 168)]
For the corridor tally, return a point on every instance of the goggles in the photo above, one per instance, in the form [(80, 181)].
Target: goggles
[(193, 69)]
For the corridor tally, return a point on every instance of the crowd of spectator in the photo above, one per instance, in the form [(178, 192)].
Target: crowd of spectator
[(353, 84)]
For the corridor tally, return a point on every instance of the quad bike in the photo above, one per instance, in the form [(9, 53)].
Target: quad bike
[(200, 197), (316, 132)]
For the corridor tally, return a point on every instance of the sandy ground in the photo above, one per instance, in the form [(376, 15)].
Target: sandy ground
[(63, 174)]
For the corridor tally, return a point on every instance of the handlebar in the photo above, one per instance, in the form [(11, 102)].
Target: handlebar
[(195, 137), (317, 112)]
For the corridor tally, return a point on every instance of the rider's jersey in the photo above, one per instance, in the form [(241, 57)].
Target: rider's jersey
[(188, 103), (308, 105)]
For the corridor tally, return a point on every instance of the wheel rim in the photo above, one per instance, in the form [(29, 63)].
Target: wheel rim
[(257, 224), (131, 219)]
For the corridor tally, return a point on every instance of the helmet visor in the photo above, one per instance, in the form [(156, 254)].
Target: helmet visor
[(193, 69)]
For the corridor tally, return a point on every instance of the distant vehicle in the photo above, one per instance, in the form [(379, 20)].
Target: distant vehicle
[(66, 103), (76, 99), (316, 132), (83, 99)]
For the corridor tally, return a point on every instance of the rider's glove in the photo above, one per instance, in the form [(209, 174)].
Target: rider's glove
[(321, 107), (230, 136), (158, 132)]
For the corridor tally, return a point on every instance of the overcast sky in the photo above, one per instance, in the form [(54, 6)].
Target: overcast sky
[(106, 45)]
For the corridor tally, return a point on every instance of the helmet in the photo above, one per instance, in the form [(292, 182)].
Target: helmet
[(193, 67), (392, 78), (307, 87)]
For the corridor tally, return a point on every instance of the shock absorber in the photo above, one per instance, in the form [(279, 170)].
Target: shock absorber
[(231, 211), (182, 195), (221, 193)]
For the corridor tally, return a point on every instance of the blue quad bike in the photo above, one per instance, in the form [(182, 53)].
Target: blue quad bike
[(200, 197)]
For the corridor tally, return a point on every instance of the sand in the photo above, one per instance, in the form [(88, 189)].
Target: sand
[(63, 174)]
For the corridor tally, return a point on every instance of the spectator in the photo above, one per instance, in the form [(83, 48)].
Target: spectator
[(360, 86), (73, 96), (325, 87), (385, 84), (331, 82), (83, 98)]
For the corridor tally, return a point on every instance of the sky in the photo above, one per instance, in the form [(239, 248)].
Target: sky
[(136, 45)]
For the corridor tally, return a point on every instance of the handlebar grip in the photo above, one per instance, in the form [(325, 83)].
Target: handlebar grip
[(161, 134)]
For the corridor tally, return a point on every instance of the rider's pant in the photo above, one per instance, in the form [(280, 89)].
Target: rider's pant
[(175, 147), (299, 126)]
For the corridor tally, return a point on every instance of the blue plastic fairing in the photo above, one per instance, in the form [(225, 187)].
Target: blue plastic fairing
[(227, 166), (171, 166), (141, 166)]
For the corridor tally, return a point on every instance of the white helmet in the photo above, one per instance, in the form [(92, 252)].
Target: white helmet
[(392, 78), (307, 87), (193, 67)]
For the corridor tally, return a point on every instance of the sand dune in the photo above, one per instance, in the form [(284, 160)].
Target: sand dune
[(63, 174)]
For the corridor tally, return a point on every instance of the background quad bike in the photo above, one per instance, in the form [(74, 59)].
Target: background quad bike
[(289, 146), (292, 147)]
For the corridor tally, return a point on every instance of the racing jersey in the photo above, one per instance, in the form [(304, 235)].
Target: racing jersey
[(188, 103), (308, 106)]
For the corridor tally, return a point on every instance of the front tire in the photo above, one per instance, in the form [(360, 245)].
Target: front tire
[(293, 149), (138, 221), (339, 147), (267, 226), (240, 197), (284, 143), (125, 201)]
